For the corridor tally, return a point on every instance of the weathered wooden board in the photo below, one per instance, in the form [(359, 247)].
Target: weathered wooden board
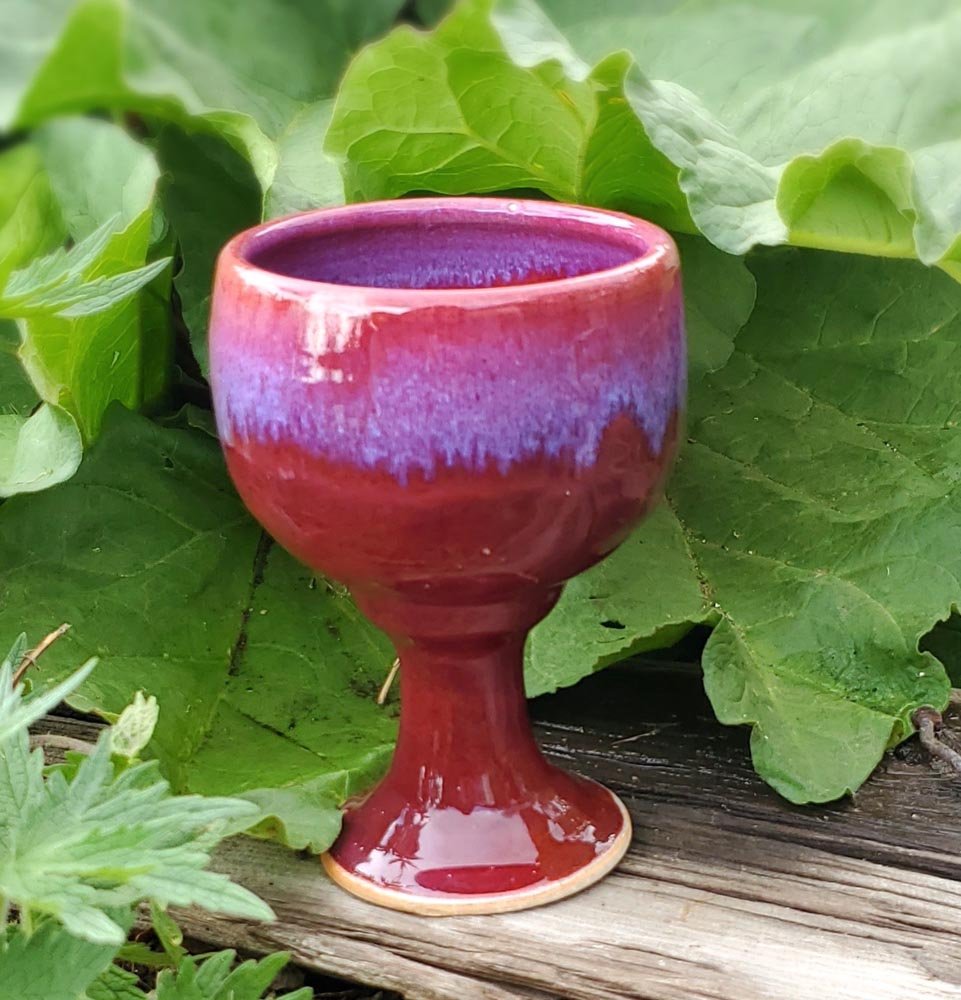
[(727, 893)]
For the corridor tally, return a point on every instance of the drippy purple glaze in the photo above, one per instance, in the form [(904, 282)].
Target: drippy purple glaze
[(404, 381)]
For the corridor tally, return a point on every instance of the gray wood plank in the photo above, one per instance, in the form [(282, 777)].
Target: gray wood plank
[(668, 925)]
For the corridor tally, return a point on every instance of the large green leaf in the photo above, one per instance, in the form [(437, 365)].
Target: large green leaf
[(644, 596), (815, 516), (814, 123), (820, 500), (306, 178), (241, 70), (451, 112), (77, 850), (818, 123), (209, 194), (493, 100), (265, 676)]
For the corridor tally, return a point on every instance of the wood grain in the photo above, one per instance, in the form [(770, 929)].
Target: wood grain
[(727, 893)]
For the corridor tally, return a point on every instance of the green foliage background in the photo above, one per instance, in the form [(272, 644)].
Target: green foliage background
[(803, 151)]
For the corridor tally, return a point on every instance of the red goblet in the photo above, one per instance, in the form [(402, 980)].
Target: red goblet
[(453, 406)]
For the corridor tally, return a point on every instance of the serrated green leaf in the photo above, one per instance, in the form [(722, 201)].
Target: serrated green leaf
[(215, 978), (50, 964), (138, 953), (61, 266), (17, 651), (60, 284), (73, 850), (115, 984)]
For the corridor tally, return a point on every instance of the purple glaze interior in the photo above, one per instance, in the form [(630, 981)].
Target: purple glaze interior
[(480, 252)]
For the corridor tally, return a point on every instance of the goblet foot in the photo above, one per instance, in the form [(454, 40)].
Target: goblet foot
[(491, 860)]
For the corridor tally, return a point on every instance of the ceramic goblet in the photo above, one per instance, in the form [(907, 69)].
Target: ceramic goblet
[(453, 406)]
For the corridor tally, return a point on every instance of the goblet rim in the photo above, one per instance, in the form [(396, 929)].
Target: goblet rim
[(656, 250)]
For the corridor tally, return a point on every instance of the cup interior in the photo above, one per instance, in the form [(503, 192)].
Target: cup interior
[(457, 248)]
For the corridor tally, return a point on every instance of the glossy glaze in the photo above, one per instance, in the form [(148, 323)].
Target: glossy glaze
[(454, 454)]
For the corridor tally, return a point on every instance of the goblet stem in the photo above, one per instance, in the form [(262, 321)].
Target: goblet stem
[(464, 727)]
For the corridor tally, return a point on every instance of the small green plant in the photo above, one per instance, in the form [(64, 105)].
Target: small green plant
[(83, 843), (67, 283)]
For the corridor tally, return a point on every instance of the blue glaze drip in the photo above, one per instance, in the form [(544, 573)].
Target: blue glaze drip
[(386, 404)]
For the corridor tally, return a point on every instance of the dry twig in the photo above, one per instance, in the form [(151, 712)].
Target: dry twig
[(30, 659), (388, 682)]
